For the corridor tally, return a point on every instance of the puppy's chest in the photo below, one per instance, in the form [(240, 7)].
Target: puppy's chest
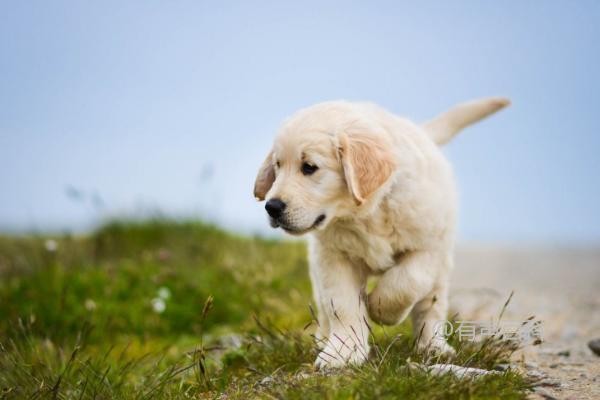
[(377, 251)]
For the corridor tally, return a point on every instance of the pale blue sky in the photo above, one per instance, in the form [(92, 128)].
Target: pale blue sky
[(143, 105)]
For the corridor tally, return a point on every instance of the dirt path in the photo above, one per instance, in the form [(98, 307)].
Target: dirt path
[(560, 287)]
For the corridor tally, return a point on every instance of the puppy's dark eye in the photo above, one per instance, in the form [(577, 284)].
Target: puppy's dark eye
[(278, 164), (308, 169)]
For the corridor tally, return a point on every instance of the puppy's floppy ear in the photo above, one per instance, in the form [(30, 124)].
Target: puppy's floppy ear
[(367, 162), (265, 177)]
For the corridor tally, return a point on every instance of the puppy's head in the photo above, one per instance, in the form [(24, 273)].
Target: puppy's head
[(326, 161)]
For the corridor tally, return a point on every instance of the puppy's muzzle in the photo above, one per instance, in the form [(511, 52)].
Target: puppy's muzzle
[(275, 208)]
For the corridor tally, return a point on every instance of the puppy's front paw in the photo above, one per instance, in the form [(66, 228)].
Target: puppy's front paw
[(437, 346), (380, 311), (340, 352)]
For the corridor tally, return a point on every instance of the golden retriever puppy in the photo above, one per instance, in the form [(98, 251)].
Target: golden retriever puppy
[(378, 198)]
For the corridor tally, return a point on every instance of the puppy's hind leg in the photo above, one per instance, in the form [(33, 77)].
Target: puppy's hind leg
[(429, 321)]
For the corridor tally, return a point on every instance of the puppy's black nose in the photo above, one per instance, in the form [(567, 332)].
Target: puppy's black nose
[(275, 207)]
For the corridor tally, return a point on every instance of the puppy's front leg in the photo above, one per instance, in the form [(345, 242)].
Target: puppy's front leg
[(417, 283), (339, 286), (401, 286)]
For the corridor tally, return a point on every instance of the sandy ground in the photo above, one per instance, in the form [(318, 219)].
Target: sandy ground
[(561, 287)]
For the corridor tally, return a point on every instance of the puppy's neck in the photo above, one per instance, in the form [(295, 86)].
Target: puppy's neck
[(352, 215)]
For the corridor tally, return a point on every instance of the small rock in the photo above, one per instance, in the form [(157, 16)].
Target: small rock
[(554, 365), (303, 375), (502, 367), (458, 371), (594, 345), (544, 393), (573, 368), (551, 383), (266, 380), (536, 374), (531, 365), (564, 353)]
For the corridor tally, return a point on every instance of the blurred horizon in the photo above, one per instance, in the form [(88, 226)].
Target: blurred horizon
[(136, 109)]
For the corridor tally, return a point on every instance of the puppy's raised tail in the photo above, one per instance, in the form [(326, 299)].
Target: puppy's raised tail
[(443, 127)]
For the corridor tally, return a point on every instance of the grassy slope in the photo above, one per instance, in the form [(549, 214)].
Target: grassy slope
[(79, 322)]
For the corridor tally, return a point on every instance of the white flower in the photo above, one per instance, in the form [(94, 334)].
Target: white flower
[(90, 304), (164, 293), (51, 245), (158, 305)]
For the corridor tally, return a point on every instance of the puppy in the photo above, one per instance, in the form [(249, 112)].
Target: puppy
[(378, 198)]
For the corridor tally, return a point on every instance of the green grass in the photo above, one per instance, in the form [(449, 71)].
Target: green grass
[(85, 322)]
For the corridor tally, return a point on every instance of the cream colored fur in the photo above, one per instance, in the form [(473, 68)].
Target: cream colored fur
[(382, 202)]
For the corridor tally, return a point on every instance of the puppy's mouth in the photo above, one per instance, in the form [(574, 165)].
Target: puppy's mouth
[(294, 230)]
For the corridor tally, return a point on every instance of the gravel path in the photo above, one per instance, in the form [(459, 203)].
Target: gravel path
[(561, 287)]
